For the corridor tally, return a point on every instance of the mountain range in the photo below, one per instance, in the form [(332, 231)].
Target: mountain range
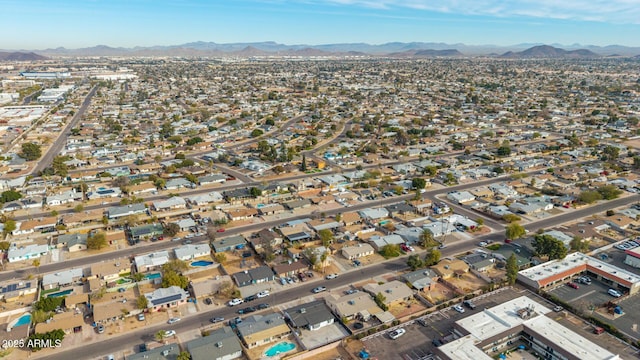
[(392, 49)]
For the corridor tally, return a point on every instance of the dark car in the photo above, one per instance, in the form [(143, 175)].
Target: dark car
[(250, 298), (469, 304), (143, 347), (216, 320), (436, 342), (263, 306), (208, 301), (247, 310), (100, 328), (358, 325)]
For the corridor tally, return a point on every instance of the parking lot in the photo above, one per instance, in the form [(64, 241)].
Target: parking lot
[(416, 343)]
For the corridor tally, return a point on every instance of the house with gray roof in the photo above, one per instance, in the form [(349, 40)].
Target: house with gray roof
[(178, 183), (164, 352), (253, 276), (190, 252), (423, 279), (186, 224), (228, 243), (166, 298), (175, 202), (73, 242), (378, 242), (220, 344), (145, 232), (27, 252), (126, 210), (374, 214), (62, 278), (310, 316), (151, 261), (258, 330)]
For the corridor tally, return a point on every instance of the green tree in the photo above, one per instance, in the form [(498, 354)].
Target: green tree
[(380, 300), (172, 278), (78, 208), (430, 171), (59, 166), (512, 269), (184, 356), (30, 151), (142, 302), (579, 244), (589, 196), (256, 132), (547, 245), (171, 229), (97, 241), (220, 258), (51, 337), (255, 192), (514, 231), (432, 257), (609, 192), (510, 218), (194, 140), (480, 222), (419, 183), (414, 262), (175, 265), (160, 335), (4, 245), (192, 178), (326, 236), (9, 195), (504, 151), (390, 251), (36, 264), (610, 153), (49, 303), (303, 164), (9, 226)]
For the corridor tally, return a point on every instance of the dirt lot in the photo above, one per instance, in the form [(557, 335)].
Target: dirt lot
[(468, 282), (408, 308), (439, 294)]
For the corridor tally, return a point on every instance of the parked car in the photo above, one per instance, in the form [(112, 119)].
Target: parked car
[(100, 328), (319, 289), (169, 333), (142, 347), (351, 291), (141, 317), (263, 306), (573, 285), (458, 308), (331, 276), (214, 320), (584, 280), (436, 342), (396, 333), (614, 293), (263, 294), (208, 301), (173, 320), (558, 308), (220, 230), (236, 301), (247, 310), (422, 322), (250, 298), (469, 304)]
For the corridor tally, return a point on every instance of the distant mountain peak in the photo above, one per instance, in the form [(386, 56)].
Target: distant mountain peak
[(548, 51), (21, 56)]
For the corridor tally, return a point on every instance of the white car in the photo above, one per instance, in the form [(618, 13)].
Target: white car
[(236, 301), (319, 289), (169, 333), (263, 294), (331, 276), (173, 320), (458, 308), (396, 333)]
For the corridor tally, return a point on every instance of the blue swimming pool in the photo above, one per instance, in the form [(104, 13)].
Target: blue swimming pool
[(23, 320), (153, 276), (201, 263), (61, 293), (279, 348)]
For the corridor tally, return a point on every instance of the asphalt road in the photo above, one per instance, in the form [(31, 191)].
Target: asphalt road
[(60, 142)]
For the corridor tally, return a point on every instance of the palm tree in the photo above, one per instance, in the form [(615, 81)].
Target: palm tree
[(160, 335)]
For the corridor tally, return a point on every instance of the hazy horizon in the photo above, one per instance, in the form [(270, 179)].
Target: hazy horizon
[(37, 25)]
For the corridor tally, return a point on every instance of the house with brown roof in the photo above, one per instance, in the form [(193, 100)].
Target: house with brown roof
[(448, 268), (141, 188), (37, 225), (619, 221), (242, 213), (292, 268), (258, 330), (351, 218), (113, 309), (68, 321), (394, 292), (110, 270), (358, 305)]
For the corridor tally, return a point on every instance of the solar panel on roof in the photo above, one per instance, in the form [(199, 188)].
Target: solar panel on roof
[(167, 299)]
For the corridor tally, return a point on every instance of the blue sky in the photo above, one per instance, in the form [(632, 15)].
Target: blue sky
[(34, 24)]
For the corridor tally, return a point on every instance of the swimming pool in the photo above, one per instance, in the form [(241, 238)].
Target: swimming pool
[(279, 348), (201, 263), (23, 320), (61, 293), (153, 276)]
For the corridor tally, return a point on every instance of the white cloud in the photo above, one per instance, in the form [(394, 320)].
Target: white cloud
[(609, 11)]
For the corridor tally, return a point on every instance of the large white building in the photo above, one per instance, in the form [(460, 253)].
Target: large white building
[(495, 330)]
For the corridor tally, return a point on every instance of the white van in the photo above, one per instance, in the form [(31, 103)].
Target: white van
[(614, 293)]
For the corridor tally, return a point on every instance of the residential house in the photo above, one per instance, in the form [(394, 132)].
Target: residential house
[(146, 231), (11, 291), (62, 278), (110, 270), (178, 183), (190, 252), (271, 209), (351, 218), (357, 252), (359, 305), (258, 330), (619, 222), (461, 197), (172, 203), (46, 224), (104, 193), (378, 242), (228, 243), (297, 204), (220, 344), (66, 197), (212, 179), (73, 242), (126, 210), (421, 280), (205, 199), (142, 188), (311, 316), (27, 252), (253, 276), (151, 261), (164, 352), (68, 321), (395, 292), (297, 232), (265, 237), (291, 268), (186, 224), (374, 214), (166, 298), (241, 213), (448, 268)]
